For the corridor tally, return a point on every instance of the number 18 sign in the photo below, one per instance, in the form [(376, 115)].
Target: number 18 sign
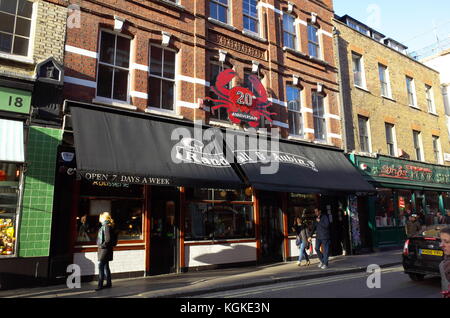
[(15, 100)]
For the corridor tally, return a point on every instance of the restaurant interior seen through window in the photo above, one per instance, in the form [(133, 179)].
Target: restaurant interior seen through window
[(124, 202), (9, 200), (301, 205), (385, 212), (217, 214)]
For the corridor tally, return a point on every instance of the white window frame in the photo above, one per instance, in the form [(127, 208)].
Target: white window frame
[(387, 81), (369, 139), (419, 144), (394, 139), (28, 59), (295, 48), (222, 68), (437, 149), (227, 6), (257, 18), (362, 70), (316, 44), (296, 112), (174, 80), (112, 100), (323, 118), (411, 91), (429, 94)]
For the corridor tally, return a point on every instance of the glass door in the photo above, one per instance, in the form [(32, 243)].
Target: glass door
[(163, 230), (271, 220)]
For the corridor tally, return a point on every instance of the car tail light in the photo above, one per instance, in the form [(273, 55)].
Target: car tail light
[(430, 239), (406, 248)]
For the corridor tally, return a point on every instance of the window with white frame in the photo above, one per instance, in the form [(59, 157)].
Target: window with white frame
[(417, 141), (113, 67), (15, 26), (250, 13), (218, 10), (320, 127), (390, 139), (437, 150), (221, 113), (293, 95), (430, 99), (162, 78), (358, 70), (289, 34), (313, 41), (384, 80), (364, 137), (410, 88)]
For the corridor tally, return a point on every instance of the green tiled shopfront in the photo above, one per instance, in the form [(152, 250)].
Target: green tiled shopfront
[(37, 206)]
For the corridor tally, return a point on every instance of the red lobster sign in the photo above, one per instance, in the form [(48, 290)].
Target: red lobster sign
[(242, 104)]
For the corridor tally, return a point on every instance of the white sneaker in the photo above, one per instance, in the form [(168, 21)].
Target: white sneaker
[(320, 265), (298, 263), (324, 267)]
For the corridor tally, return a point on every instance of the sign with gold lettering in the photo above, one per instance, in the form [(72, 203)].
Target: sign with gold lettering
[(237, 46)]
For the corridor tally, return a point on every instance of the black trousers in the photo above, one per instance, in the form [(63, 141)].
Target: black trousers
[(104, 273)]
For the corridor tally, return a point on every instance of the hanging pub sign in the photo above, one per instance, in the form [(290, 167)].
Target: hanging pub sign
[(241, 103)]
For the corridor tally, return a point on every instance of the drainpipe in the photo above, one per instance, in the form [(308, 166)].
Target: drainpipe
[(336, 34)]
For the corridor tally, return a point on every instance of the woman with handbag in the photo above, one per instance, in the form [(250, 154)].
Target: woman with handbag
[(105, 243), (301, 230)]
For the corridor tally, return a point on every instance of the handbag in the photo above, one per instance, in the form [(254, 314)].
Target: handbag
[(298, 241)]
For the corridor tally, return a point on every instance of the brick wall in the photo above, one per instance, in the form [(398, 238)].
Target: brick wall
[(368, 101), (48, 31), (197, 42)]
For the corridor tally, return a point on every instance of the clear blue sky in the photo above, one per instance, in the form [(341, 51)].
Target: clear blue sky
[(414, 23)]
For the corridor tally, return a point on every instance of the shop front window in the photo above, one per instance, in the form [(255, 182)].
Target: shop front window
[(214, 214), (405, 206), (124, 202), (432, 208), (301, 205), (9, 201), (385, 212)]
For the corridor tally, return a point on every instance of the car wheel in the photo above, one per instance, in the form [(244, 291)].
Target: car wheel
[(416, 277)]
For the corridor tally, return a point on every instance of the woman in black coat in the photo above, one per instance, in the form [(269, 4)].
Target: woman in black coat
[(105, 250)]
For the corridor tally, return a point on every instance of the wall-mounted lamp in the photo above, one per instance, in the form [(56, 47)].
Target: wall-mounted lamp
[(222, 55), (290, 7), (295, 80), (118, 23), (313, 17), (319, 87), (255, 67), (165, 38)]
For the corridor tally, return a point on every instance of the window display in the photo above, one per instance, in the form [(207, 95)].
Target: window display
[(432, 208), (385, 212), (405, 206), (301, 205), (215, 214), (9, 200), (124, 202)]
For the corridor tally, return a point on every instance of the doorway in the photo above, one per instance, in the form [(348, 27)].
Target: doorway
[(271, 226), (164, 230)]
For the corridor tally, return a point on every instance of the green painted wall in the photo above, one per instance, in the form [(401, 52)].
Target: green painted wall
[(37, 205)]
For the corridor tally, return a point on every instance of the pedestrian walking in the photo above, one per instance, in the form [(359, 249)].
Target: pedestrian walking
[(106, 241), (323, 237), (413, 226), (444, 267), (301, 230)]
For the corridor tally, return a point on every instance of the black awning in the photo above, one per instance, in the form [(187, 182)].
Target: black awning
[(296, 167), (122, 147)]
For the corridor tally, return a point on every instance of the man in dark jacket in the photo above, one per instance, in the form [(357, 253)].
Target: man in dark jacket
[(413, 226), (323, 237)]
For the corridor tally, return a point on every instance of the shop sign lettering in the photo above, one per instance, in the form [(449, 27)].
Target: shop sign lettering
[(237, 46), (252, 156), (412, 173), (98, 178), (190, 150)]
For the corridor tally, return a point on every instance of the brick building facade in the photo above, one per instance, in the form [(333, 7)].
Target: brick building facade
[(31, 77), (396, 132), (158, 61)]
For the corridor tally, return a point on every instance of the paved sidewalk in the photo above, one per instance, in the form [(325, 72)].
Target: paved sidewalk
[(201, 282)]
